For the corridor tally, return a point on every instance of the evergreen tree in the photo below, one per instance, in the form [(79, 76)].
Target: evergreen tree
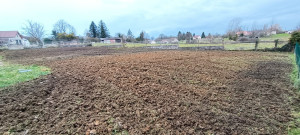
[(230, 37), (179, 35), (183, 36), (203, 35), (93, 30), (188, 36), (103, 31), (142, 36), (209, 35), (194, 34), (54, 33), (130, 36)]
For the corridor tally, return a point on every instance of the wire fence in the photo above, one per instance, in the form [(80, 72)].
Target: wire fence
[(297, 54)]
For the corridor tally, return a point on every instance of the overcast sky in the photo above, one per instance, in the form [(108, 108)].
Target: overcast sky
[(152, 16)]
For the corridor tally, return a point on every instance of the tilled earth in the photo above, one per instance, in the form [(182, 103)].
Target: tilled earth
[(41, 56), (165, 92)]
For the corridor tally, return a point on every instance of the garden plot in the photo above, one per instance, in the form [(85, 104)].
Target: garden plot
[(165, 92)]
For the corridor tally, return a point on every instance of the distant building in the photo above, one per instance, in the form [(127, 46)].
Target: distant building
[(197, 37), (288, 32), (168, 41), (274, 32), (269, 33), (111, 40), (152, 42), (12, 38), (245, 33)]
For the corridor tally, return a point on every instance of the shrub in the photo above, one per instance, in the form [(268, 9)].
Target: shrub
[(93, 40), (286, 48), (235, 38), (243, 39), (47, 40), (64, 36), (294, 38)]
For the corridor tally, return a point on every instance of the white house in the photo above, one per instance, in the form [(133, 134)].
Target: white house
[(12, 38), (288, 32), (197, 37), (168, 41), (111, 40)]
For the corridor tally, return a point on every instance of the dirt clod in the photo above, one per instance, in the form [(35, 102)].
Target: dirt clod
[(93, 132), (97, 122)]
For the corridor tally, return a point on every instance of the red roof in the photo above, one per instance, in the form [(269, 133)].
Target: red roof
[(246, 33), (8, 34)]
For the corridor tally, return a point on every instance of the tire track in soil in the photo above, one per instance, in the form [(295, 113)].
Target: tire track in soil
[(154, 93)]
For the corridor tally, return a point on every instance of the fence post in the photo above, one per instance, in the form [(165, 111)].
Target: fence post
[(223, 41), (256, 44), (276, 43)]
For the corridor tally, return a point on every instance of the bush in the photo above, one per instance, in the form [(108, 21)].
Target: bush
[(286, 48), (243, 39), (294, 38), (93, 39), (64, 36), (47, 40), (235, 38)]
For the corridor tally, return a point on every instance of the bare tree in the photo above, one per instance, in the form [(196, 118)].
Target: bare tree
[(61, 26), (254, 30), (72, 29), (87, 33), (34, 30), (276, 27), (298, 27), (265, 31), (234, 26), (123, 38)]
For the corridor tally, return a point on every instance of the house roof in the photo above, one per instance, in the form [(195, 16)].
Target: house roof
[(8, 34), (246, 33)]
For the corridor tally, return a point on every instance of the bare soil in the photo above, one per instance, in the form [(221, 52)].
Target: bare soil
[(165, 92), (40, 56)]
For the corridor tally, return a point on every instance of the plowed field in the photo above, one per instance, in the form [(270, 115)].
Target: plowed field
[(165, 92)]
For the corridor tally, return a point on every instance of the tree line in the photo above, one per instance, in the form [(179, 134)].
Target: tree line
[(100, 31), (189, 35), (236, 30), (63, 31)]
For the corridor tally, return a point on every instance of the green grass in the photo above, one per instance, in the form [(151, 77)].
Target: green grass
[(293, 128), (10, 75), (281, 37), (294, 74), (143, 45), (250, 46), (106, 44), (239, 46), (197, 45), (128, 44)]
